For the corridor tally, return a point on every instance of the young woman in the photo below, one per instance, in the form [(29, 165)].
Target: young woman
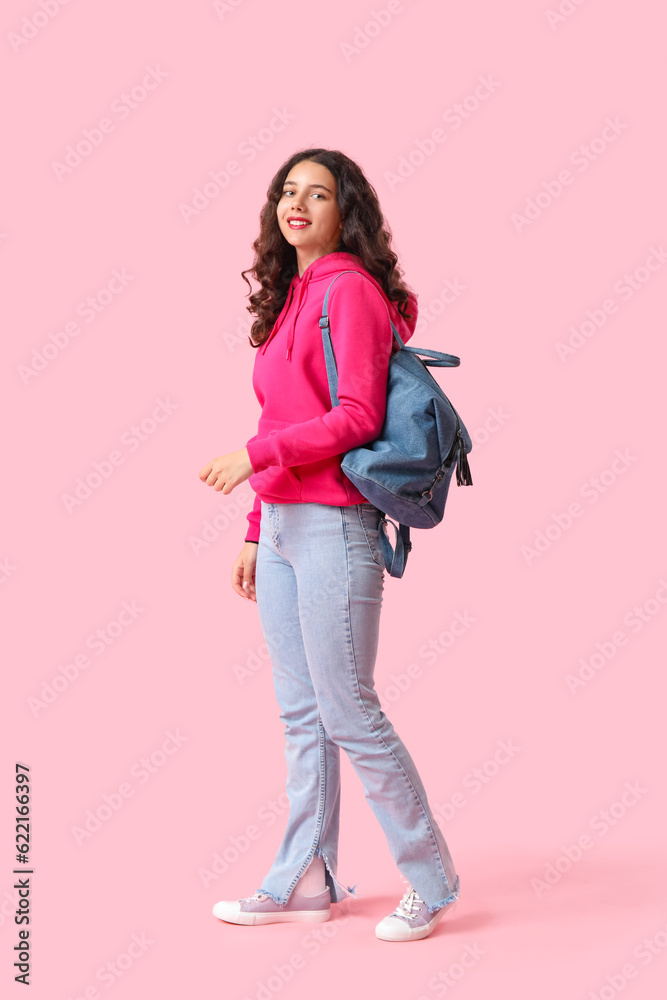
[(312, 558)]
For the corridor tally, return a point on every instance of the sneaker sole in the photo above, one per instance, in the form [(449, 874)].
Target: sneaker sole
[(404, 933), (297, 916)]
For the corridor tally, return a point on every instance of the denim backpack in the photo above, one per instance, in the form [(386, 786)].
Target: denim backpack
[(405, 472)]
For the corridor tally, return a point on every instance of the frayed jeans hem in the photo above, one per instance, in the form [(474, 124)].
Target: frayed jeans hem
[(452, 898)]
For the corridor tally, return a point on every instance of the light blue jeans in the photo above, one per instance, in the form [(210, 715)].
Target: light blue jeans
[(319, 580)]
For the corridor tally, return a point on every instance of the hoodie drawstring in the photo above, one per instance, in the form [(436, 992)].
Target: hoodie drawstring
[(301, 298), (291, 309), (303, 285)]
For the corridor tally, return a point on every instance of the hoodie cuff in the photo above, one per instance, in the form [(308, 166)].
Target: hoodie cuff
[(254, 518), (262, 454)]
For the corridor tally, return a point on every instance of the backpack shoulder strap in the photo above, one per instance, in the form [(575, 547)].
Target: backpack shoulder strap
[(325, 306)]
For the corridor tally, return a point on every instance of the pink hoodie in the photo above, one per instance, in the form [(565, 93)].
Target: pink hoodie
[(300, 440)]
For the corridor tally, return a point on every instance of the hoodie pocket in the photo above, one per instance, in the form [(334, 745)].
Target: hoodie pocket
[(276, 480)]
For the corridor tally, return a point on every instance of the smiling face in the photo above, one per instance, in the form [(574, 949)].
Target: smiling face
[(309, 195)]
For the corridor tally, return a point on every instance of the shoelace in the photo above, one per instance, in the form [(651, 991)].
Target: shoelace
[(256, 896), (406, 905)]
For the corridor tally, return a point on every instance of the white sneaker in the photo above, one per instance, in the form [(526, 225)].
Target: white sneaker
[(261, 909), (411, 920)]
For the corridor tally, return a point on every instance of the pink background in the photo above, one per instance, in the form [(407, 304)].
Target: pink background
[(547, 429)]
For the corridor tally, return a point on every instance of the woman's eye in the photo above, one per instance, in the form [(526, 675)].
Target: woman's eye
[(316, 194)]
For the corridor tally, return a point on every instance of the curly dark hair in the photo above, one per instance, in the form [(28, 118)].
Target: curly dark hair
[(364, 233)]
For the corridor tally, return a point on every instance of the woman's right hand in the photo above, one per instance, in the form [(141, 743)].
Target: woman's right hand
[(243, 572)]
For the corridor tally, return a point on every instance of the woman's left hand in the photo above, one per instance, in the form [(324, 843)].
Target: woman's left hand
[(227, 471)]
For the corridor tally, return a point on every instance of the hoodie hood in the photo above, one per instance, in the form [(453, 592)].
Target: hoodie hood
[(320, 272)]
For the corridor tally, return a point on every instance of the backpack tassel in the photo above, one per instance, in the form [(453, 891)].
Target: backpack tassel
[(463, 476)]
